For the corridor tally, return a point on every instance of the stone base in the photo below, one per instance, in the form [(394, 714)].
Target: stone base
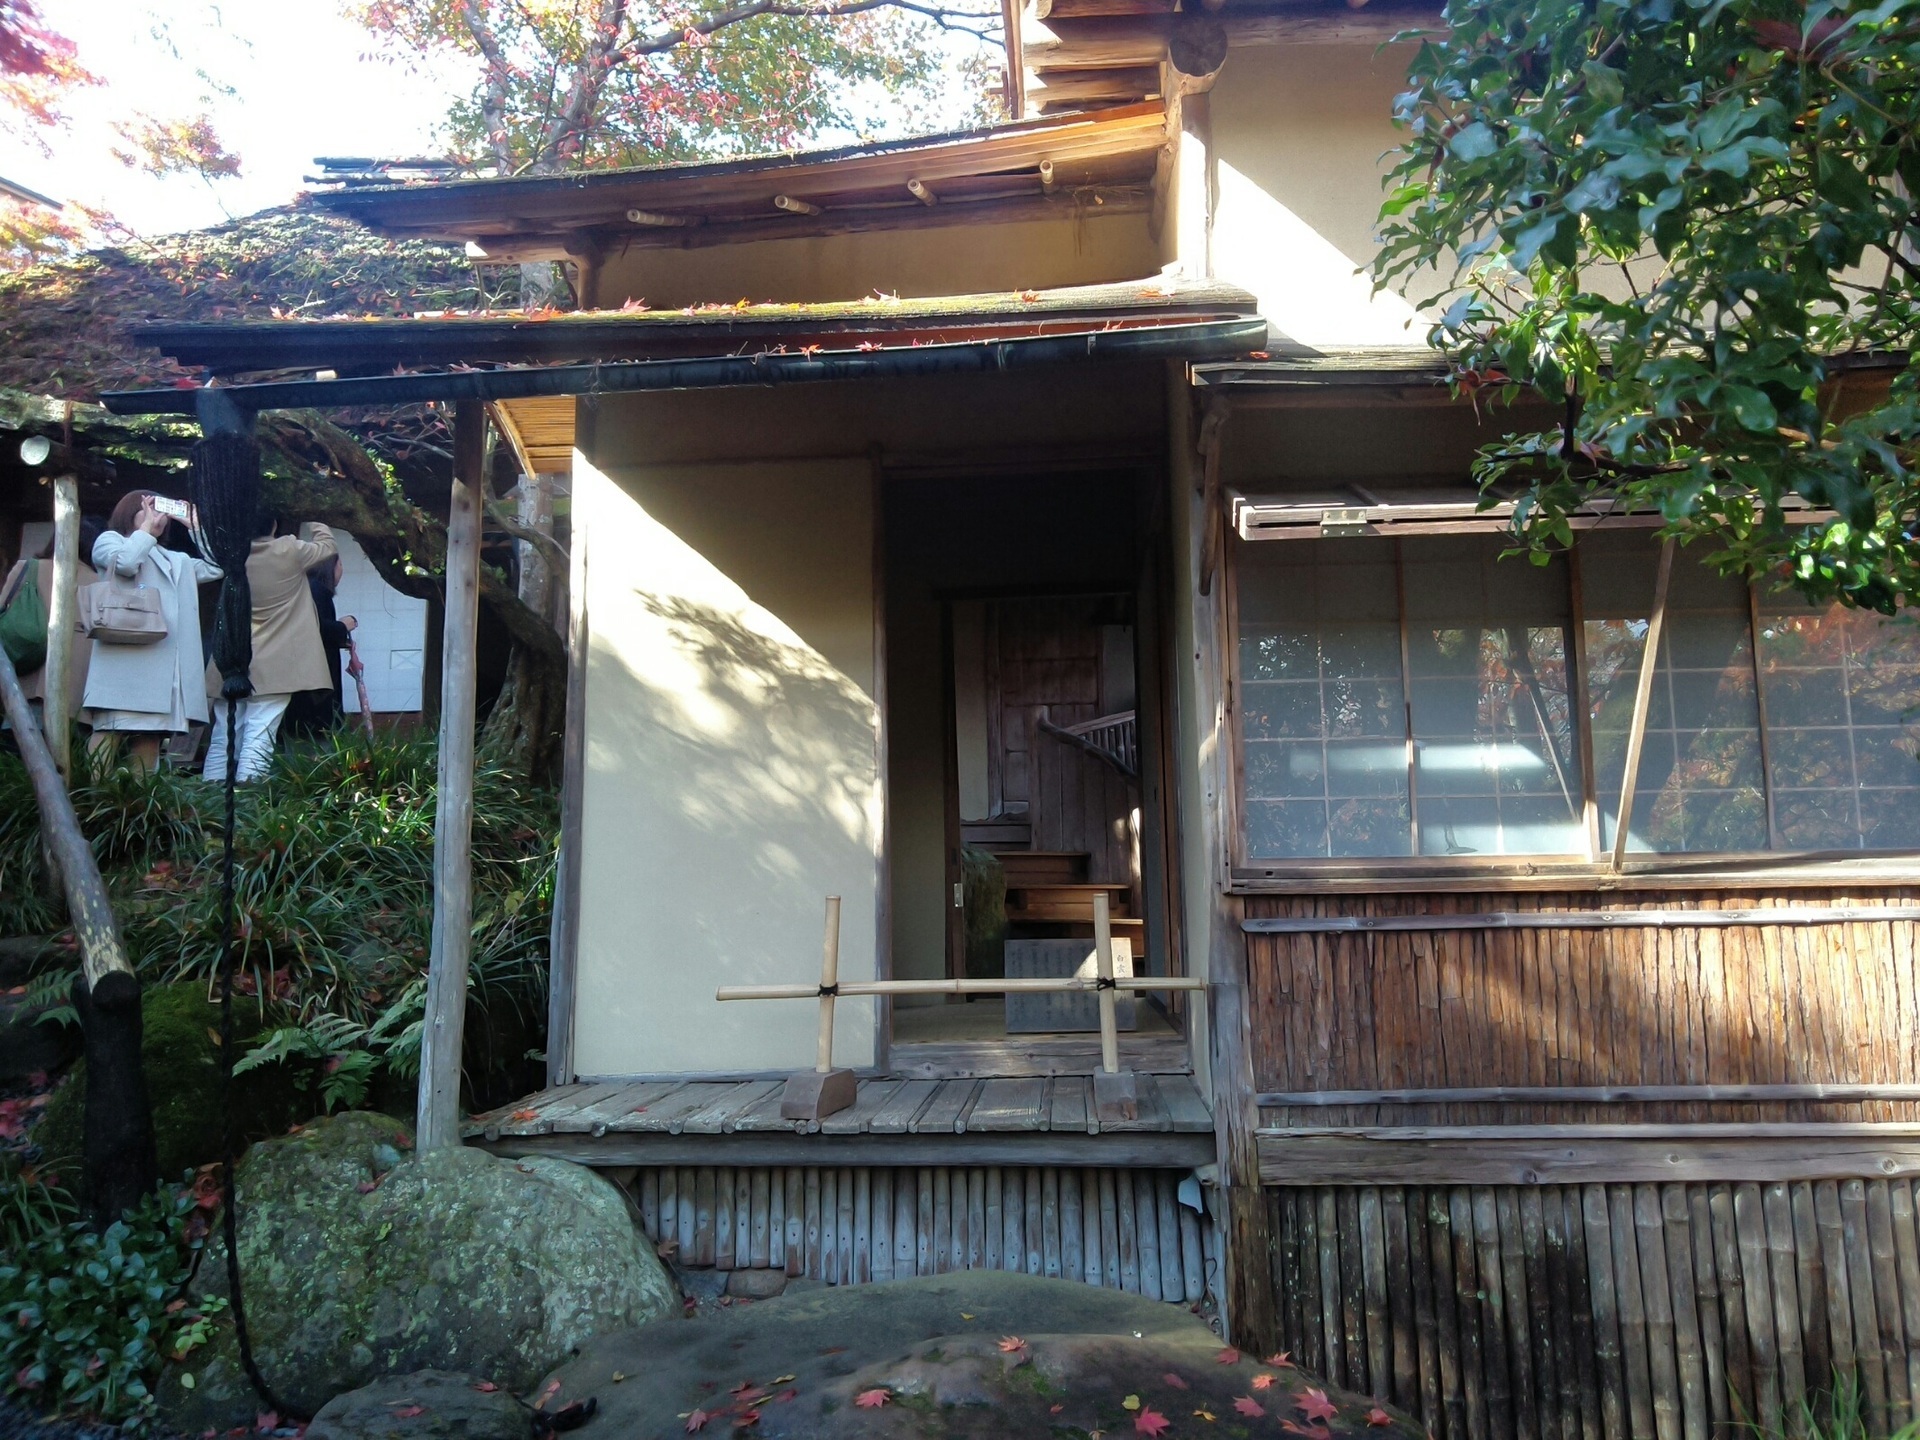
[(815, 1094), (1116, 1096)]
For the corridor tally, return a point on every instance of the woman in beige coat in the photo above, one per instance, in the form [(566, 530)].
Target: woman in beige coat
[(287, 656)]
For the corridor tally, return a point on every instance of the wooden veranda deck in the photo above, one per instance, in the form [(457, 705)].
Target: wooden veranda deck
[(1035, 1120)]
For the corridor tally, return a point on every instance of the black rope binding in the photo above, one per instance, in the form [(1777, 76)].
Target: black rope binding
[(226, 497)]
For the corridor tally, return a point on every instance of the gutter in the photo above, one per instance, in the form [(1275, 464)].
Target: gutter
[(1212, 340)]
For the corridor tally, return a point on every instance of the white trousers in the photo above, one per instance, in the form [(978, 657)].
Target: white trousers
[(254, 729)]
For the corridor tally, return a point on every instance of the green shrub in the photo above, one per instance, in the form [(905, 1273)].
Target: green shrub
[(180, 1053), (89, 1318), (334, 897)]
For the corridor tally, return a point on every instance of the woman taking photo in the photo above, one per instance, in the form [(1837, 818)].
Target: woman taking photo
[(141, 694)]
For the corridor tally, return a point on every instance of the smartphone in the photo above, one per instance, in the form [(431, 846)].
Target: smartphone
[(175, 509)]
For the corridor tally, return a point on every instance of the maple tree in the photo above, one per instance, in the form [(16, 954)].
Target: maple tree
[(566, 84)]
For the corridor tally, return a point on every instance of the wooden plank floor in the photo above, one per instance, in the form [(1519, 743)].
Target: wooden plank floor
[(1035, 1119)]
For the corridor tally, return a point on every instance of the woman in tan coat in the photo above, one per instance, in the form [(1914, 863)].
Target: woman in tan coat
[(287, 656)]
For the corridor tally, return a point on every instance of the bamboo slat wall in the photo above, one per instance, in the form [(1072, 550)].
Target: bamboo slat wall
[(1642, 1312), (1368, 1011), (851, 1225)]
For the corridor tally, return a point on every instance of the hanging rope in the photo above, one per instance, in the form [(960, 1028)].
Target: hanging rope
[(226, 500)]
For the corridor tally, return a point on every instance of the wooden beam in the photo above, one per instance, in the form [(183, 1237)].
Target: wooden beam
[(1594, 1095), (62, 610), (563, 939), (1757, 915), (1642, 703), (440, 1050), (1169, 1149), (1079, 87), (1587, 1154)]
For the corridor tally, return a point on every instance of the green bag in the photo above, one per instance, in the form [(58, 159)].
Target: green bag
[(23, 624)]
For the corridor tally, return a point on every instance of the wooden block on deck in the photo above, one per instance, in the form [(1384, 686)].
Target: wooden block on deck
[(1116, 1097), (815, 1094), (1070, 1011)]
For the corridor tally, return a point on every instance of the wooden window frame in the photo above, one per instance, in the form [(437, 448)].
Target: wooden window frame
[(1602, 868)]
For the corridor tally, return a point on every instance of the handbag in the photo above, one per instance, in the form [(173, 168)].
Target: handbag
[(23, 623), (118, 611)]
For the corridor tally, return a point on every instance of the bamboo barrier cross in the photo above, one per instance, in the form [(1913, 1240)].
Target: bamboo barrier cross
[(815, 1094)]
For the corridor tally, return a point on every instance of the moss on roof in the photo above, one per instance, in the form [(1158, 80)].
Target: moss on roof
[(63, 323)]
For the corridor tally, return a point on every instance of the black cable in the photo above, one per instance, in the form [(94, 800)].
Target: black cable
[(226, 484)]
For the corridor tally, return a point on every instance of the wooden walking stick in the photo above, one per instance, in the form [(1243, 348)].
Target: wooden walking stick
[(819, 1093)]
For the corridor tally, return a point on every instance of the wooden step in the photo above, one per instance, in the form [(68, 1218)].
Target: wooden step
[(1043, 867), (1066, 902)]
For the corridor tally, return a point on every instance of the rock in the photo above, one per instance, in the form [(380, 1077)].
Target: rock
[(756, 1284), (180, 1052), (455, 1260), (426, 1405), (29, 1045), (931, 1352)]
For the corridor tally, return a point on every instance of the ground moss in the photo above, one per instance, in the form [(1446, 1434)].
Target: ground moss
[(180, 1052)]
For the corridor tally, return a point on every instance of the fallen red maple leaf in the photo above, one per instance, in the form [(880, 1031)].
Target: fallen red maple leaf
[(1377, 1416), (741, 1388), (1174, 1380), (747, 1418), (785, 1395), (1280, 1358), (872, 1399), (267, 1421), (486, 1387), (697, 1421), (1248, 1406), (523, 1115), (1262, 1381), (407, 1412), (1229, 1356), (1009, 1344), (1151, 1422), (1314, 1404)]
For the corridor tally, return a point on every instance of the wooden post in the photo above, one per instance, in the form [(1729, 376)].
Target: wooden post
[(1116, 1095), (825, 1090), (1642, 703), (117, 1148), (61, 607), (439, 1105)]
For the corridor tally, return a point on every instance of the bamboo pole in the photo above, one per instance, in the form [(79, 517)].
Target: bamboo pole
[(829, 979), (1038, 985), (1103, 966), (1642, 703), (439, 1100), (62, 607)]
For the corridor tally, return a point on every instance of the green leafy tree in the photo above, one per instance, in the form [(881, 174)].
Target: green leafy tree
[(1689, 227)]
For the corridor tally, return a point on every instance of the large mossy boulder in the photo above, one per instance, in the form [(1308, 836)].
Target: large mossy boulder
[(360, 1260), (180, 1052)]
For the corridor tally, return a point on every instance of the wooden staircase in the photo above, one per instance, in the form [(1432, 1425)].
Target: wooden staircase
[(1050, 889)]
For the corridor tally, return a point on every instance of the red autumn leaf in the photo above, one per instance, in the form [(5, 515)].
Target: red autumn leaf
[(1262, 1381), (553, 1388), (697, 1421), (267, 1421), (747, 1418), (1151, 1422), (486, 1387), (1377, 1416), (1055, 1409), (523, 1115), (1315, 1405), (407, 1412), (1174, 1380), (1229, 1356), (741, 1388), (872, 1399), (786, 1395), (1010, 1344), (1248, 1406), (1280, 1358)]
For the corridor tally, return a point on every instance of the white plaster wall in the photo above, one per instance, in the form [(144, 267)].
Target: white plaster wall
[(731, 765), (1299, 136), (392, 633)]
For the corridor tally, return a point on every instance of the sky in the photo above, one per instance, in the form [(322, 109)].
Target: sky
[(290, 79), (303, 80)]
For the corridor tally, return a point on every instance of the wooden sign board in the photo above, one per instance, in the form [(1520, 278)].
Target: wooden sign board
[(1066, 1012)]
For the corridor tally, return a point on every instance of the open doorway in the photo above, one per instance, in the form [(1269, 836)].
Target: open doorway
[(1023, 725)]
